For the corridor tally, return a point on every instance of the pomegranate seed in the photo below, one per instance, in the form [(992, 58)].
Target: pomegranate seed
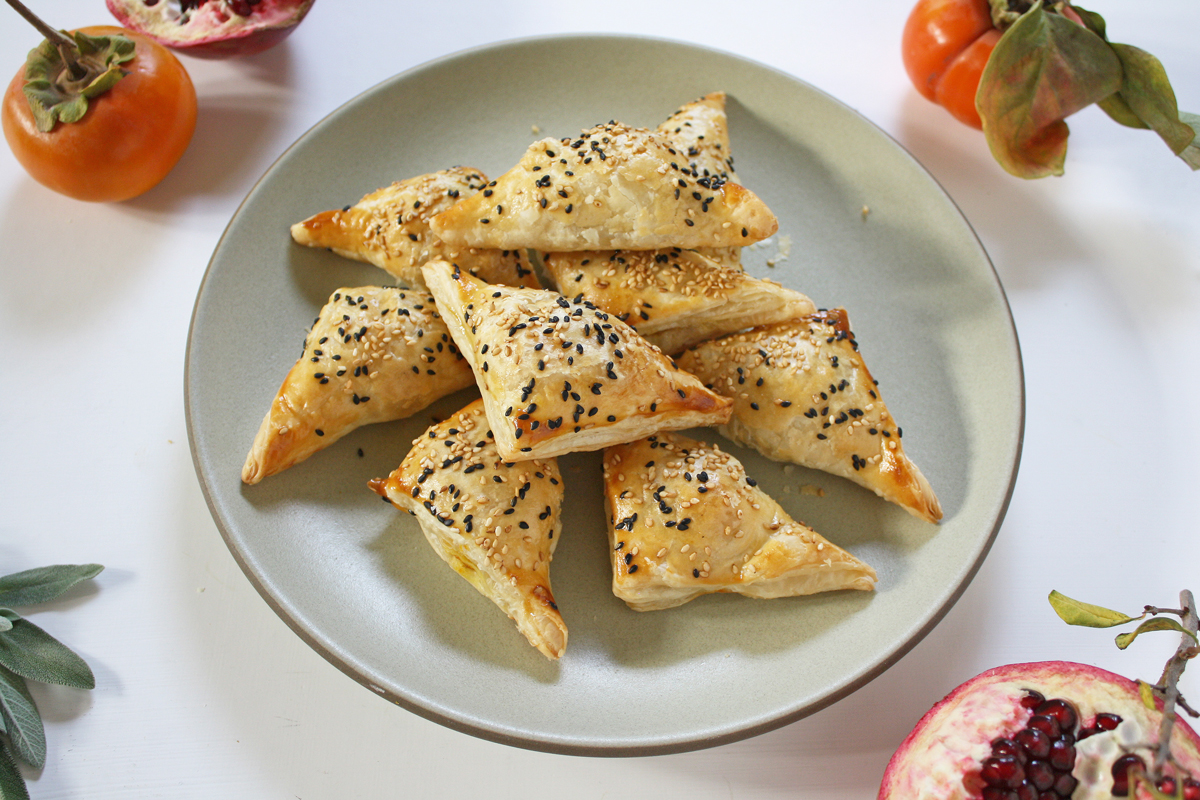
[(1191, 789), (1166, 785), (1036, 743), (1062, 711), (1062, 755), (1003, 771), (1005, 747), (1032, 699), (1064, 785), (1027, 791), (1046, 724), (1107, 722), (1120, 772), (998, 793), (1040, 774)]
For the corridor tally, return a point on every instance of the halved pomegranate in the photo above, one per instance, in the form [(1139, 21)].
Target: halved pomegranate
[(1040, 731), (212, 28)]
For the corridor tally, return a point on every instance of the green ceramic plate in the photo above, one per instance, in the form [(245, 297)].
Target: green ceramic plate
[(356, 579)]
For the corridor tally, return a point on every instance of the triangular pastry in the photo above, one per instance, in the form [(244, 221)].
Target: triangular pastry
[(614, 187), (560, 377), (674, 298), (495, 522), (802, 393), (685, 520), (374, 354), (701, 129), (390, 229)]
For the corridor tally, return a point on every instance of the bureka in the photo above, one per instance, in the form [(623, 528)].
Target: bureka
[(495, 522), (560, 377), (802, 393), (374, 354), (390, 229), (614, 187), (685, 520)]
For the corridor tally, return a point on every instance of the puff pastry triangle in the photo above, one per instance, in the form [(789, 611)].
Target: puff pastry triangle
[(390, 229), (495, 522), (685, 520), (701, 130), (560, 377), (674, 298), (374, 354), (802, 393), (614, 187)]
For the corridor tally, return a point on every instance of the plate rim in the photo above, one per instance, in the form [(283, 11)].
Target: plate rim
[(554, 744)]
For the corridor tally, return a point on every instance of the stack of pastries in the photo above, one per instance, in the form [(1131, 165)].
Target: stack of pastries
[(651, 327)]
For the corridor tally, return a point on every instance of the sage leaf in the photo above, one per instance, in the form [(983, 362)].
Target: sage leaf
[(43, 584), (1076, 612), (1153, 624), (12, 784), (34, 654), (25, 729), (1042, 70)]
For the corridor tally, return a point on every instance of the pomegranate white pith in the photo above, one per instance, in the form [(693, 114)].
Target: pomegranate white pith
[(942, 758)]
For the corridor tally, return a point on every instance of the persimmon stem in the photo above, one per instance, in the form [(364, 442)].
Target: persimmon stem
[(65, 44)]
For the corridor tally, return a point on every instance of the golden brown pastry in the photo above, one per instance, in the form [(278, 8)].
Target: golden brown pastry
[(674, 298), (802, 393), (495, 522), (560, 377), (390, 229), (614, 187), (685, 520), (701, 130), (374, 354)]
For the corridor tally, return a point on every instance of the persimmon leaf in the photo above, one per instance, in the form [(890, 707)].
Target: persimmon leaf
[(1043, 69), (1191, 153), (1147, 92), (1115, 106)]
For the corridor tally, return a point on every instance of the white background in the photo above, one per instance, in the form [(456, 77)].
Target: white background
[(203, 692)]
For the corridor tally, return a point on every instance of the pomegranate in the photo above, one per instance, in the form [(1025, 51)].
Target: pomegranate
[(1040, 731), (212, 28)]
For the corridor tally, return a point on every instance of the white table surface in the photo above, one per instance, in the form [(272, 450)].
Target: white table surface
[(203, 692)]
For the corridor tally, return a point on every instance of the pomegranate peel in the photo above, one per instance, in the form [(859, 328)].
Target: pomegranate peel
[(212, 28), (976, 743)]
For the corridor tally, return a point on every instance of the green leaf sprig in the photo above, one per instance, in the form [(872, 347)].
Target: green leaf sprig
[(1166, 691), (29, 653), (1053, 59)]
